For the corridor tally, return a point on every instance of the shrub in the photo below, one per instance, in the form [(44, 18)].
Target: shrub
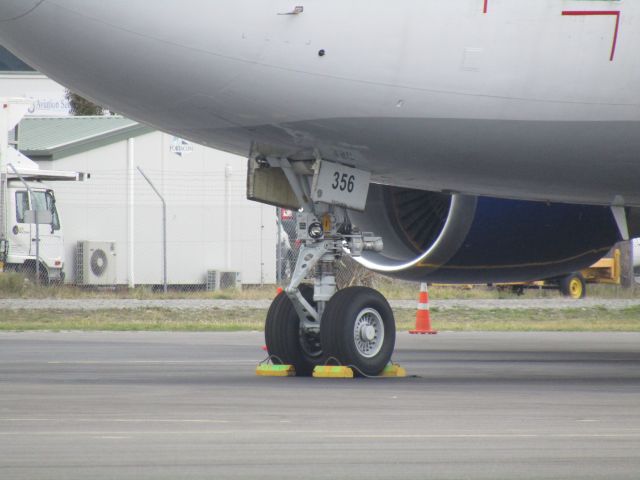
[(11, 284)]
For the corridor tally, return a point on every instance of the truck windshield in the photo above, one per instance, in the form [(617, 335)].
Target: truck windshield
[(46, 201)]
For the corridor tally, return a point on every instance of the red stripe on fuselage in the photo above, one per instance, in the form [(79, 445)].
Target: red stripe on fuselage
[(591, 13)]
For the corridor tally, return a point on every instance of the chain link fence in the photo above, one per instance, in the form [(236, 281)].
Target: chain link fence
[(93, 266), (112, 233)]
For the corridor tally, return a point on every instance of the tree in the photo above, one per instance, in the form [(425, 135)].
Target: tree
[(82, 107)]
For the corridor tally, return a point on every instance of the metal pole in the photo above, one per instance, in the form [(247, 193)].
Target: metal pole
[(632, 252), (4, 150), (31, 197), (227, 214), (164, 229), (131, 210), (261, 245), (279, 247)]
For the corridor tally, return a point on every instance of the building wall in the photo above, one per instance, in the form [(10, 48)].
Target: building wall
[(194, 189), (48, 96)]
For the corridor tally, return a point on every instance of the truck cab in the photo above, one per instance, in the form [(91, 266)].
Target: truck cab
[(21, 234)]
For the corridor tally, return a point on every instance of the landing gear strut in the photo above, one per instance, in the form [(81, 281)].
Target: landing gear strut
[(308, 326)]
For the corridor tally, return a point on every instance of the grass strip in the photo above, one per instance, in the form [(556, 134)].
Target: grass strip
[(463, 319), (13, 285)]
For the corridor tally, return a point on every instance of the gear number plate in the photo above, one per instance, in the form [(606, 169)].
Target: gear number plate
[(340, 185)]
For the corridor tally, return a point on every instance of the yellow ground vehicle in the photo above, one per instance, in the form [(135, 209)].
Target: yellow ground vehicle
[(574, 285)]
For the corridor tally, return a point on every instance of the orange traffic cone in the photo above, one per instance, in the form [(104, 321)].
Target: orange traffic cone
[(423, 320)]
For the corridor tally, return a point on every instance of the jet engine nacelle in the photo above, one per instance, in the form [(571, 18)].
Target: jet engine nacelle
[(465, 239)]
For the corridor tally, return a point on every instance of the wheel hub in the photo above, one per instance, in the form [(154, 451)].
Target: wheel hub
[(368, 333)]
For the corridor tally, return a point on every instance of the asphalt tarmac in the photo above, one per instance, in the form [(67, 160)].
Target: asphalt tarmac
[(188, 406)]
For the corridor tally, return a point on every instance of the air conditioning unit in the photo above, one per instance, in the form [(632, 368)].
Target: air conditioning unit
[(217, 280), (96, 263), (213, 280), (230, 280)]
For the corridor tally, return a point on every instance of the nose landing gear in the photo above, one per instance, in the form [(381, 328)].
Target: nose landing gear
[(309, 326)]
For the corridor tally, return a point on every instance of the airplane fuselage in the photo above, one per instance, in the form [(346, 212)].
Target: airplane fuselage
[(518, 99)]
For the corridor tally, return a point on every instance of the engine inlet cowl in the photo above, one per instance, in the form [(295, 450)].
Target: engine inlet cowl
[(418, 215), (465, 239)]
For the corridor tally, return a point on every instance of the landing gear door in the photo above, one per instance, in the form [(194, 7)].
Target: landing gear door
[(270, 185), (338, 184)]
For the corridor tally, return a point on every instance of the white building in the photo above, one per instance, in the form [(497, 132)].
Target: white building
[(210, 223), (19, 80)]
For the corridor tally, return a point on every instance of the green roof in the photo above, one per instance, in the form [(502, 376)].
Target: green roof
[(51, 138)]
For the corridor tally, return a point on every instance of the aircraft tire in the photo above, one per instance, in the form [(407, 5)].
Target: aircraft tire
[(29, 270), (282, 335), (358, 330)]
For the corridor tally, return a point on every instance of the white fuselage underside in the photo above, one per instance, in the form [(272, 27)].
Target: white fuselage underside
[(535, 100)]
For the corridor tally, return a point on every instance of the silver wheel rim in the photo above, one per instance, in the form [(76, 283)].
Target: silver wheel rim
[(368, 333)]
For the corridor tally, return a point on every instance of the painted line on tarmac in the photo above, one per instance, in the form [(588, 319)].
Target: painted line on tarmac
[(490, 435), (325, 434), (151, 362), (118, 420), (95, 433)]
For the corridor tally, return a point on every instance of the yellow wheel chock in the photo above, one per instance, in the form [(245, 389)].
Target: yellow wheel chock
[(390, 371), (394, 370), (332, 372), (268, 370)]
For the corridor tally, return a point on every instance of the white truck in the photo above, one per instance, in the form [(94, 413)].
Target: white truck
[(36, 249)]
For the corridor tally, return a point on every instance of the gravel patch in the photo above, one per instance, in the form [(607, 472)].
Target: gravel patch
[(483, 304)]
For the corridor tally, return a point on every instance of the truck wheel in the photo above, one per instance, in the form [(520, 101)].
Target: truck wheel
[(29, 270), (573, 286)]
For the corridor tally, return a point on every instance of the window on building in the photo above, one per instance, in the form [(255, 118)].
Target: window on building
[(10, 63)]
